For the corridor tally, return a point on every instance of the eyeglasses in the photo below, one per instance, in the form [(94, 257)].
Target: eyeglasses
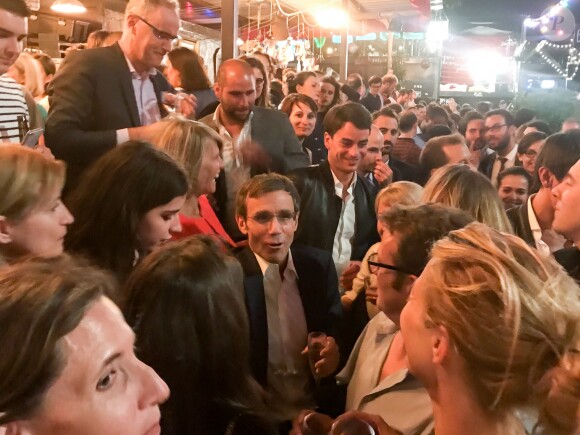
[(284, 218), (393, 132), (493, 128), (374, 266), (531, 153), (259, 81), (159, 34)]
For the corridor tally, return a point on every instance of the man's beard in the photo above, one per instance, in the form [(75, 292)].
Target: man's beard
[(503, 144), (233, 114), (387, 148)]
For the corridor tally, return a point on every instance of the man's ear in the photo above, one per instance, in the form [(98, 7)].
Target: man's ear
[(546, 178), (5, 237), (242, 225), (131, 21), (327, 140), (15, 428), (409, 284), (440, 344)]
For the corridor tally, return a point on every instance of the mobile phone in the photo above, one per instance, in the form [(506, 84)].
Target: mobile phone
[(31, 138)]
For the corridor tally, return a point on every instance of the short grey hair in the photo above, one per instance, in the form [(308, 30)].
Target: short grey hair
[(142, 7)]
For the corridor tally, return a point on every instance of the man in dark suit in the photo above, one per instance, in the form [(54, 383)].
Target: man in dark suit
[(256, 140), (103, 97), (372, 167), (290, 292), (373, 100), (567, 218), (388, 123)]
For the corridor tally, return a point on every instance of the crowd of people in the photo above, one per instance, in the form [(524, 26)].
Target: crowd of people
[(276, 253)]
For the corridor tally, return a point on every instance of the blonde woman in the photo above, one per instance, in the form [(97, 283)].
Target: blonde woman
[(491, 329), (460, 187), (197, 148), (398, 193), (33, 220)]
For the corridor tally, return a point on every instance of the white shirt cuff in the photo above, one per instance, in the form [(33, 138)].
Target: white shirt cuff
[(122, 136)]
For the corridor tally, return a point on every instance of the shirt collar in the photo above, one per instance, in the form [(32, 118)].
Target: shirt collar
[(265, 265), (338, 184), (511, 157), (134, 73), (533, 220)]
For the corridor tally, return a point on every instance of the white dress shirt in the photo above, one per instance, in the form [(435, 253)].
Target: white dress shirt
[(236, 172), (289, 378), (342, 247), (146, 100)]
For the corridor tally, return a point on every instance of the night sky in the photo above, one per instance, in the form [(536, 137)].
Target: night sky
[(502, 14)]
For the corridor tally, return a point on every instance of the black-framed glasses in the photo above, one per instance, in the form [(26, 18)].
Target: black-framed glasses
[(493, 128), (283, 218), (159, 34), (531, 153), (375, 266)]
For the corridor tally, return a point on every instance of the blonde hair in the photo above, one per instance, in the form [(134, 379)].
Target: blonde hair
[(31, 71), (27, 178), (512, 315), (460, 187), (187, 141), (399, 193), (143, 7)]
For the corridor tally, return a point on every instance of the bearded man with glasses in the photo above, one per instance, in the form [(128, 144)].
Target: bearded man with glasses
[(290, 291), (103, 97), (499, 133)]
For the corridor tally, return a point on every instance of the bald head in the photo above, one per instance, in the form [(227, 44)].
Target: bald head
[(375, 137), (374, 152), (233, 68), (235, 89)]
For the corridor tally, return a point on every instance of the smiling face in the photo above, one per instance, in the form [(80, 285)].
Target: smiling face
[(303, 120), (311, 87), (157, 224), (346, 149), (270, 240), (41, 232), (13, 30), (146, 51), (211, 165), (513, 191), (103, 388), (529, 157)]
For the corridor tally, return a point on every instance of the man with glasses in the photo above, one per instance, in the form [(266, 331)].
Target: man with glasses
[(103, 97), (499, 132), (373, 100), (377, 373), (290, 291)]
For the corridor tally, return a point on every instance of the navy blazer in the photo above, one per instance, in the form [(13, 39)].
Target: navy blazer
[(318, 287), (91, 97)]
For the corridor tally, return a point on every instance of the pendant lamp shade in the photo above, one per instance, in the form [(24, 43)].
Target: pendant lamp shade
[(68, 7)]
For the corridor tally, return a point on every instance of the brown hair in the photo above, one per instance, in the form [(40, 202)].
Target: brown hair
[(190, 66), (262, 100), (512, 314), (42, 300), (460, 187), (27, 179), (433, 156), (260, 185), (291, 100)]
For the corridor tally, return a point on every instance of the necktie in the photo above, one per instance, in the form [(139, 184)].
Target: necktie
[(503, 161)]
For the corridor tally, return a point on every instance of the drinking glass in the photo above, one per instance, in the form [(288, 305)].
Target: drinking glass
[(351, 426), (316, 424)]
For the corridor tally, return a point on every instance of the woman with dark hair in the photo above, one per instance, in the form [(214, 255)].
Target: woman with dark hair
[(185, 70), (126, 205), (68, 364), (262, 82), (329, 94), (185, 303), (302, 110), (529, 148), (305, 82)]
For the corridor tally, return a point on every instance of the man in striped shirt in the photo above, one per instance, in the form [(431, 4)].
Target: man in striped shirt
[(13, 30)]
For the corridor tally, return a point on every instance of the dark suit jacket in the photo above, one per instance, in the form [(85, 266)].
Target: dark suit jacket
[(272, 130), (569, 258), (520, 220), (318, 287), (404, 172), (371, 102), (91, 97), (320, 210), (315, 142), (486, 164)]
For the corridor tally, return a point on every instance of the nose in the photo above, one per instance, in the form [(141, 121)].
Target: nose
[(175, 224), (67, 217), (154, 390), (274, 226), (221, 163)]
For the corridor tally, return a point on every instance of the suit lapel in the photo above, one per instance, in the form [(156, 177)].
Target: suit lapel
[(127, 87)]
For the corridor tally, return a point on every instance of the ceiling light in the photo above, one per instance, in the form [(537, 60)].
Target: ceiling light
[(68, 7)]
